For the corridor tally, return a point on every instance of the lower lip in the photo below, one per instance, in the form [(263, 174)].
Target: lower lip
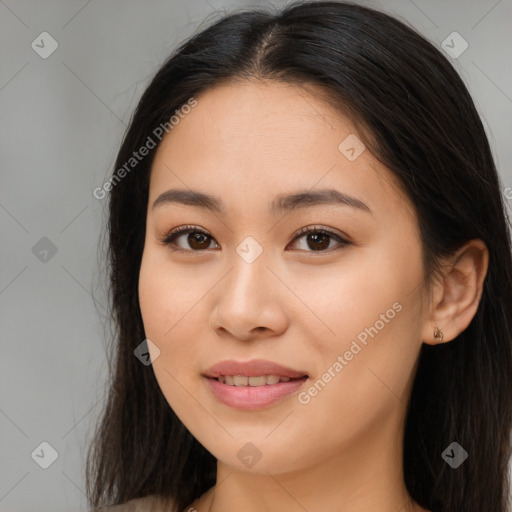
[(250, 398)]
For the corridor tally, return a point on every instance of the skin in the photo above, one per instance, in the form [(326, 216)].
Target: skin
[(246, 143)]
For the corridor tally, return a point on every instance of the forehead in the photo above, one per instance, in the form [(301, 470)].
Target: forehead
[(251, 115), (250, 141)]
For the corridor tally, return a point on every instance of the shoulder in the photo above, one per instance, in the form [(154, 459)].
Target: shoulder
[(145, 504)]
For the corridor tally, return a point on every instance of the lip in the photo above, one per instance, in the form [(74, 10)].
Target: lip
[(251, 398), (252, 368)]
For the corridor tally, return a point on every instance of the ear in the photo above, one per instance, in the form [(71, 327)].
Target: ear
[(457, 293)]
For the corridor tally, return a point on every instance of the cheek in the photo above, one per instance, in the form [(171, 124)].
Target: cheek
[(166, 296), (375, 312), (363, 377), (170, 299), (346, 301), (166, 305)]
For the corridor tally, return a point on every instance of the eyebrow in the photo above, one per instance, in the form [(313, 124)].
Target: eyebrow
[(283, 203)]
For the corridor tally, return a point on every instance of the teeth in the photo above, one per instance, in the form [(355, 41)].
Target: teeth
[(260, 380), (240, 380), (273, 379), (257, 381)]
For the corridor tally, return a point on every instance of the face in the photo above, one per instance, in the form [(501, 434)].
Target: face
[(340, 309)]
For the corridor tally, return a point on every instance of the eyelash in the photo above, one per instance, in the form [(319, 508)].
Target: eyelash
[(177, 232)]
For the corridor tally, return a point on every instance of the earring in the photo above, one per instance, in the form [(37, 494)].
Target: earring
[(438, 334)]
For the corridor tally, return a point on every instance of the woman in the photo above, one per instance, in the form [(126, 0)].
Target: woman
[(311, 278)]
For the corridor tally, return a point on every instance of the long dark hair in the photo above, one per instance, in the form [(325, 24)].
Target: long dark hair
[(417, 117)]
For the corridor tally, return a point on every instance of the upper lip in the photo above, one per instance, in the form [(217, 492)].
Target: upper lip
[(253, 368)]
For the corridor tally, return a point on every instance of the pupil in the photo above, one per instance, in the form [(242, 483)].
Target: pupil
[(195, 238), (314, 237)]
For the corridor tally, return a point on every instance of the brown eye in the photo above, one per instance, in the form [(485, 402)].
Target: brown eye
[(319, 240), (197, 239)]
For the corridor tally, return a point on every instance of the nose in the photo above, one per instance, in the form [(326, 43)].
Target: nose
[(250, 301)]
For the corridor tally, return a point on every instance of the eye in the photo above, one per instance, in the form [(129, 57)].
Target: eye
[(198, 239), (319, 239)]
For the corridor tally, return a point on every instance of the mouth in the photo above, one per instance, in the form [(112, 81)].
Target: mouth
[(254, 384), (260, 380), (257, 368)]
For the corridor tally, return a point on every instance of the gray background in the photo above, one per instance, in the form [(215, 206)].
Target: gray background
[(61, 124)]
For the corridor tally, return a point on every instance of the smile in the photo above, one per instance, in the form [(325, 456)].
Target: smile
[(260, 380), (253, 385)]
